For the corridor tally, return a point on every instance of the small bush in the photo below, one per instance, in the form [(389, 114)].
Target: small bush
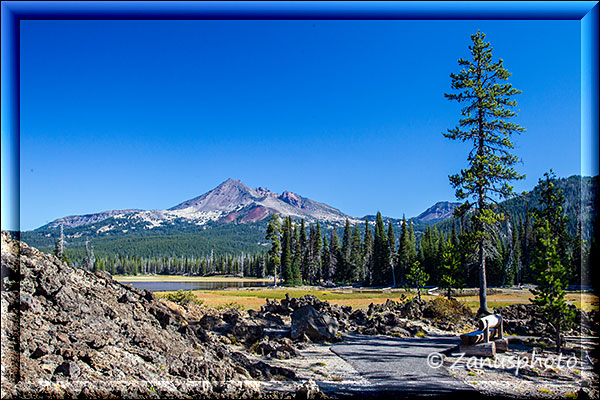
[(544, 391), (442, 308), (421, 334), (181, 297), (225, 306), (254, 347), (571, 395)]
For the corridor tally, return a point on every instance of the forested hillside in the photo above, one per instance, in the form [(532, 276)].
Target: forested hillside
[(380, 253)]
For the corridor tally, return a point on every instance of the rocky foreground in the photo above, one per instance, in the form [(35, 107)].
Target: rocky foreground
[(71, 333), (67, 332)]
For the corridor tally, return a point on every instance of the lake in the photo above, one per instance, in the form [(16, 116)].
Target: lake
[(157, 286)]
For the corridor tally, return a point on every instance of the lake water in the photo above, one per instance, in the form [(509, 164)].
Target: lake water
[(183, 285)]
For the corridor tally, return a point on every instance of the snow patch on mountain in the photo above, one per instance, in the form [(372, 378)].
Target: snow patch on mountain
[(232, 201)]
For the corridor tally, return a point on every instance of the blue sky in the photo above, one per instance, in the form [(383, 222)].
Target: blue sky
[(147, 114)]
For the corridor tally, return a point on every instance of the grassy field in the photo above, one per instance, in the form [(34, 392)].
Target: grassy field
[(180, 278), (253, 298)]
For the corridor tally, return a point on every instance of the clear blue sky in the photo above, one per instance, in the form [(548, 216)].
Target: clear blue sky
[(147, 114)]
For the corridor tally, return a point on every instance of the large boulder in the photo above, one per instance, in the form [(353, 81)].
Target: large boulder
[(316, 326)]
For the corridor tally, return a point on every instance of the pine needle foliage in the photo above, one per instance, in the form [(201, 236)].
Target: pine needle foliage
[(481, 85)]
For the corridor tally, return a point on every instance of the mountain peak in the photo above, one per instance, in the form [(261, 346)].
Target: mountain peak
[(232, 182), (437, 212)]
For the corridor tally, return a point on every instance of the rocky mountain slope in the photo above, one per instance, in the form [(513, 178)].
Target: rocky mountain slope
[(436, 213), (231, 201), (70, 333)]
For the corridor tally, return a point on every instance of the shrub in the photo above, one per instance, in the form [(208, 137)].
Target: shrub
[(232, 304), (442, 308), (181, 297)]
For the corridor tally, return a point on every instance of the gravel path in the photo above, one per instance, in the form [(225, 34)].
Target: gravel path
[(398, 365)]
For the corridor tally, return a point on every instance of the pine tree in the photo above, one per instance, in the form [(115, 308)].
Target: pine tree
[(428, 252), (274, 260), (368, 254), (402, 256), (520, 235), (317, 246), (356, 260), (295, 276), (412, 244), (392, 247), (345, 267), (439, 257), (515, 268), (578, 255), (551, 209), (417, 277), (451, 269), (552, 281), (489, 105), (305, 252), (526, 247), (286, 252), (335, 255), (325, 260), (381, 254)]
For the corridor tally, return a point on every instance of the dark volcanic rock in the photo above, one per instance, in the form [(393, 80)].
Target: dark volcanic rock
[(79, 334), (525, 320), (316, 326)]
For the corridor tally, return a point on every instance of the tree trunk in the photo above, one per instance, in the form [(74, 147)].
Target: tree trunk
[(483, 308), (558, 344)]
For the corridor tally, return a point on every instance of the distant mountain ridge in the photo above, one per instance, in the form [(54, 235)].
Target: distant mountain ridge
[(230, 202), (221, 221), (434, 214)]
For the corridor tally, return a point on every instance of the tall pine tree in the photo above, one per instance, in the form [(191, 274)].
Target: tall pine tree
[(402, 256), (286, 252), (305, 253), (392, 247), (551, 209), (356, 259), (335, 255), (381, 254), (316, 246), (481, 85), (345, 267), (274, 255), (325, 261), (368, 255)]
